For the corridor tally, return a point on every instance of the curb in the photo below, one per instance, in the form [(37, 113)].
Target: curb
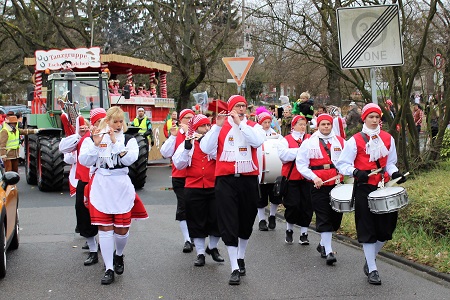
[(423, 268)]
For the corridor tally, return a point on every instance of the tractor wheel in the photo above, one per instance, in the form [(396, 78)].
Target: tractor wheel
[(31, 158), (50, 164), (138, 170)]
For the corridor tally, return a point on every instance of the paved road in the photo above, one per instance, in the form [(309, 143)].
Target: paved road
[(49, 261)]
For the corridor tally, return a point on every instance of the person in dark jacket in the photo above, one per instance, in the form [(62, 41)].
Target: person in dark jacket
[(304, 106)]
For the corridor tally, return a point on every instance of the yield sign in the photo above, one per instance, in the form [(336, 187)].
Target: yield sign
[(238, 67)]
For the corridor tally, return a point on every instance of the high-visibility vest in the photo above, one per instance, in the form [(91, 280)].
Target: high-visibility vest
[(13, 139), (169, 124), (143, 124)]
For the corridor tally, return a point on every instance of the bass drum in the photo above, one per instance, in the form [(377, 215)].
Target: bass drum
[(268, 160)]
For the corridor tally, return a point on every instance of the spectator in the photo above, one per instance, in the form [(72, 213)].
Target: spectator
[(418, 117), (304, 106), (353, 118), (286, 121)]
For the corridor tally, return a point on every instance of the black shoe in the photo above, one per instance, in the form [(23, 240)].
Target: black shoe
[(321, 250), (331, 259), (272, 223), (214, 254), (289, 239), (241, 265), (235, 278), (85, 246), (76, 229), (187, 247), (263, 225), (304, 239), (108, 278), (91, 259), (366, 269), (200, 261), (119, 266), (374, 278)]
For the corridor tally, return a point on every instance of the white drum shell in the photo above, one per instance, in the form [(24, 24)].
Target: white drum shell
[(387, 200), (340, 198), (269, 162)]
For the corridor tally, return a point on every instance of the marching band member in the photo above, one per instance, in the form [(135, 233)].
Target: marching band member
[(112, 199), (73, 143), (236, 140), (297, 202), (178, 136), (266, 189), (364, 152), (316, 161), (201, 209)]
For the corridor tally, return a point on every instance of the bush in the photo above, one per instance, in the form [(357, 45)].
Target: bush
[(445, 149), (429, 201)]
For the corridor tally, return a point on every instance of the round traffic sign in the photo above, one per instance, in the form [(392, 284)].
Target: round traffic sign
[(438, 61)]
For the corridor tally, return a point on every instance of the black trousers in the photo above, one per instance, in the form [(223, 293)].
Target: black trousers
[(297, 203), (372, 227), (83, 217), (178, 188), (266, 195), (201, 212), (326, 218), (236, 203)]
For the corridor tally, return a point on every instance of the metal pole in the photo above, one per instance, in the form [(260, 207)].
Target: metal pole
[(373, 83), (92, 33)]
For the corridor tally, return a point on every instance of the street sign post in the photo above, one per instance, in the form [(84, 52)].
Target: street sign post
[(369, 36), (238, 67)]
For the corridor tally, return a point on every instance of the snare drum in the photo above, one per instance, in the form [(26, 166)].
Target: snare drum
[(269, 162), (340, 198), (388, 199)]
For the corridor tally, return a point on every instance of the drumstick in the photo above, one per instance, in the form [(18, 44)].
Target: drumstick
[(332, 178), (375, 172), (394, 181)]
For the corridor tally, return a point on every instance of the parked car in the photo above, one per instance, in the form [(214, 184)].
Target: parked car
[(9, 215)]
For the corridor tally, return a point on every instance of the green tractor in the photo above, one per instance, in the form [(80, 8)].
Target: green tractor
[(76, 93)]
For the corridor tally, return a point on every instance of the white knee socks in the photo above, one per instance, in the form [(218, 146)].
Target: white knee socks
[(106, 239), (326, 240), (92, 243), (213, 241), (369, 253), (121, 241), (261, 214), (185, 231), (241, 248), (273, 209), (233, 255), (200, 245)]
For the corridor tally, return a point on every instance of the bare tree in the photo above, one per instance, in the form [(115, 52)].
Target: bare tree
[(191, 35)]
